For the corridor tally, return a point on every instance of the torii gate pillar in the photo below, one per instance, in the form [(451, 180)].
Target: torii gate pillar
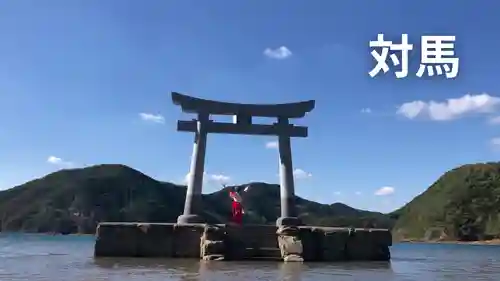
[(242, 125), (287, 185), (193, 203)]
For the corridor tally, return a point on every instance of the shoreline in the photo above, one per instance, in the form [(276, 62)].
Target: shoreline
[(492, 242), (47, 233), (481, 242)]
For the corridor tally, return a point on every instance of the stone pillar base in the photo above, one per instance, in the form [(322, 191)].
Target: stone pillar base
[(290, 244), (212, 243), (288, 221), (187, 219)]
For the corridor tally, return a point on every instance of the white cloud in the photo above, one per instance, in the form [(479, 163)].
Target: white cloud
[(494, 120), (186, 178), (188, 175), (59, 162), (358, 193), (386, 190), (495, 144), (217, 178), (495, 141), (222, 179), (278, 53), (272, 144), (337, 193), (301, 174), (366, 110), (449, 109), (155, 118)]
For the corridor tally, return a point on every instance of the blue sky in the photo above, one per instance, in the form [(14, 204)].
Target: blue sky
[(75, 76)]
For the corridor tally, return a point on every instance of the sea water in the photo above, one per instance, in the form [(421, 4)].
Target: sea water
[(32, 257)]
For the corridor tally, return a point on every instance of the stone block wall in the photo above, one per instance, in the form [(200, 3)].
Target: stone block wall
[(213, 243), (225, 242), (187, 240), (249, 241), (155, 240), (147, 240), (260, 236), (116, 241), (369, 244), (342, 244)]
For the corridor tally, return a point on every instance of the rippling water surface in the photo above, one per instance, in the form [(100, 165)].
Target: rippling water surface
[(65, 258)]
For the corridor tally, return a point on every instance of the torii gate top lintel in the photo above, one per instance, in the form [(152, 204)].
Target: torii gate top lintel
[(190, 104)]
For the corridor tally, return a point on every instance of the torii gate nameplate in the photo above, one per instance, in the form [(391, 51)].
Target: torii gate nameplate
[(242, 125)]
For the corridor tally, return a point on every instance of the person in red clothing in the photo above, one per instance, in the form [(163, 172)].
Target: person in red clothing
[(236, 206)]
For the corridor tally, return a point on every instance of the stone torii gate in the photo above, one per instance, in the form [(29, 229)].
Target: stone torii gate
[(242, 124)]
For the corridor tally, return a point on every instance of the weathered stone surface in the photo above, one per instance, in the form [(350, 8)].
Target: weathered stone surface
[(235, 248), (382, 236), (213, 247), (288, 230), (311, 238), (382, 253), (268, 253), (214, 232), (333, 243), (212, 242), (213, 258), (216, 242), (293, 258), (155, 240), (187, 240), (250, 241), (134, 240), (258, 236), (369, 244), (289, 243), (382, 242), (382, 239), (116, 240), (359, 245)]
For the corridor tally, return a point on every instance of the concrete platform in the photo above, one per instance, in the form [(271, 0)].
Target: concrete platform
[(247, 242)]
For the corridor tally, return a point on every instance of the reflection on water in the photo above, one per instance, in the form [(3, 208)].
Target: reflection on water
[(52, 258), (188, 269)]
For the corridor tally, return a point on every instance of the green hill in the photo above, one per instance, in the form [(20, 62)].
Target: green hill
[(70, 201), (464, 204)]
